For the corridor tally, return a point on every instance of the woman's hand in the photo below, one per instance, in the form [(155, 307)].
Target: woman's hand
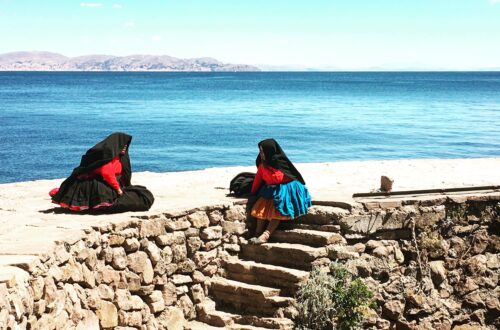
[(120, 192)]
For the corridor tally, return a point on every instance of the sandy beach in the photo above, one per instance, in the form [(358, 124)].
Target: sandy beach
[(27, 212)]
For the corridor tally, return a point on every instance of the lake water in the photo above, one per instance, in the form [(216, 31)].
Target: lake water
[(186, 121)]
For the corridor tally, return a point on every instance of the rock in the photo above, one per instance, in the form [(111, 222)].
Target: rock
[(341, 253), (236, 213), (210, 245), (197, 293), (105, 292), (199, 219), (131, 245), (139, 263), (386, 183), (156, 307), (467, 286), (193, 244), (438, 272), (202, 259), (153, 252), (150, 228), (169, 294), (172, 319), (119, 258), (61, 254), (211, 233), (128, 302), (492, 261), (187, 307), (392, 309), (381, 252), (181, 279), (372, 244), (131, 319), (198, 277), (176, 225), (107, 314), (164, 240), (363, 224), (186, 267), (179, 253), (229, 227), (37, 285), (88, 321), (115, 240), (133, 281), (215, 217)]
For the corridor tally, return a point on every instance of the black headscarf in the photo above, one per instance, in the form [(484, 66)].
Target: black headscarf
[(276, 157), (103, 152)]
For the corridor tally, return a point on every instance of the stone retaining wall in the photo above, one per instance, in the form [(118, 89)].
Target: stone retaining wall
[(432, 262), (142, 273)]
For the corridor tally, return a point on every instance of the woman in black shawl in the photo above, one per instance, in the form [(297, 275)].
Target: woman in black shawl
[(98, 181), (281, 189)]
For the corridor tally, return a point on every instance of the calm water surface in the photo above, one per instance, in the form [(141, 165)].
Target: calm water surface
[(186, 121)]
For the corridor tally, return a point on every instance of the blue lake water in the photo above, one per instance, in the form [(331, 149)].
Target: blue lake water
[(186, 121)]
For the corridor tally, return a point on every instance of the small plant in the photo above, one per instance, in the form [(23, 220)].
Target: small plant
[(332, 300)]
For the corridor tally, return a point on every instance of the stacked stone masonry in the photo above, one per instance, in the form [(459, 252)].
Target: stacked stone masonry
[(432, 262)]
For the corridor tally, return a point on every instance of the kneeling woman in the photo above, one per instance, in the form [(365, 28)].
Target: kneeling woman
[(101, 179), (281, 189)]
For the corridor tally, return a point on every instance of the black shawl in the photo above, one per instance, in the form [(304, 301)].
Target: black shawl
[(276, 157), (103, 152)]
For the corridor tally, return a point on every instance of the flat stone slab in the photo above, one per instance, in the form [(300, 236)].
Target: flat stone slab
[(284, 254), (307, 237)]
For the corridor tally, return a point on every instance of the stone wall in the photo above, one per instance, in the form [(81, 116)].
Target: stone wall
[(433, 263), (143, 273)]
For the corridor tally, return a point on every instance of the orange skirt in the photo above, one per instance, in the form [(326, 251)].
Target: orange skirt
[(264, 209)]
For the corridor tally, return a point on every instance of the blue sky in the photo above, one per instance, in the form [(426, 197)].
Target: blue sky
[(334, 34)]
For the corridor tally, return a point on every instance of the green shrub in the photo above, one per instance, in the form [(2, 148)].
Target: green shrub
[(332, 300)]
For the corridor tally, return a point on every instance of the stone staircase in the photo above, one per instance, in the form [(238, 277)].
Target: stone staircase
[(257, 288)]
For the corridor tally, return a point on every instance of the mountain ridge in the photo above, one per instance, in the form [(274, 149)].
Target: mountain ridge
[(50, 61)]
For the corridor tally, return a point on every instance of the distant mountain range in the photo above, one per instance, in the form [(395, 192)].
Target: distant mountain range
[(47, 61)]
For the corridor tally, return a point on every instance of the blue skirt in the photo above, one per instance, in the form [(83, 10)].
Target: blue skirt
[(291, 199)]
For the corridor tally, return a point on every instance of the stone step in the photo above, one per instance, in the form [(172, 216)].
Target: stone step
[(323, 215), (307, 237), (247, 298), (308, 226), (211, 317), (197, 325), (296, 256), (286, 279)]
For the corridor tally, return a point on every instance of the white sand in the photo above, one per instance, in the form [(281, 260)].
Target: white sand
[(28, 225)]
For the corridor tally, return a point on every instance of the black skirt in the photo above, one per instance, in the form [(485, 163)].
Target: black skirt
[(80, 195)]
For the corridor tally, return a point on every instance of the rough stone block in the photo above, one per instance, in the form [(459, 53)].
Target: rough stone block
[(108, 315), (199, 219), (237, 228), (236, 213), (150, 228), (211, 233)]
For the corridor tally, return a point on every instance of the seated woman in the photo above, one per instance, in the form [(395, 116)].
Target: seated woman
[(102, 178), (281, 189)]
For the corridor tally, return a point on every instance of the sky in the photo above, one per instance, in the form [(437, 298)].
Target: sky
[(317, 34)]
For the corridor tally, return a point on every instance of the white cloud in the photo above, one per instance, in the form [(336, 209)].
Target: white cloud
[(117, 6), (90, 4), (129, 24), (156, 38), (494, 2)]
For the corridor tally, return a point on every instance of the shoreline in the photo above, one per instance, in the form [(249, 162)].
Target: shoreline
[(251, 168)]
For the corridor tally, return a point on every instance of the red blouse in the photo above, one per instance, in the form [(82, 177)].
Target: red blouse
[(109, 171), (269, 175)]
